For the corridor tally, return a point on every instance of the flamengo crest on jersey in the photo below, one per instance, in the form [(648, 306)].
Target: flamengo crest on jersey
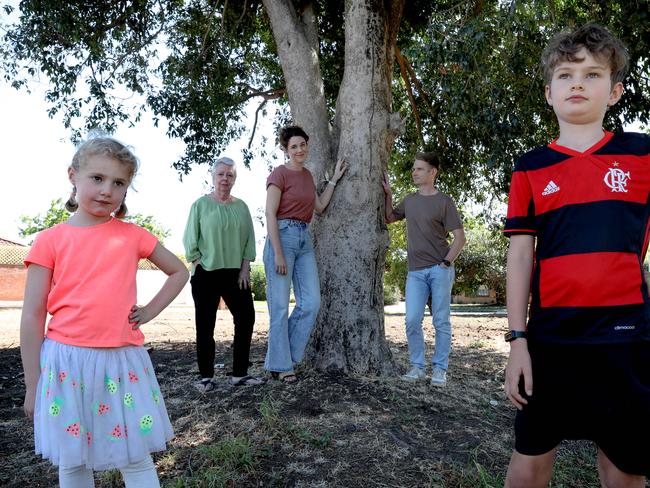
[(617, 179), (550, 188), (590, 215)]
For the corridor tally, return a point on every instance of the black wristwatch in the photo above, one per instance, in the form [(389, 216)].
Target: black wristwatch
[(446, 262), (511, 335)]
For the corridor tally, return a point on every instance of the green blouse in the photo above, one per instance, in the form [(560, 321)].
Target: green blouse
[(219, 235)]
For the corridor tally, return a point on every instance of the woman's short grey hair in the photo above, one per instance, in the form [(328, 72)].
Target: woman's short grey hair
[(222, 160)]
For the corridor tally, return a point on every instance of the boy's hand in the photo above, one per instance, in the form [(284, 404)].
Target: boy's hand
[(138, 316), (518, 366)]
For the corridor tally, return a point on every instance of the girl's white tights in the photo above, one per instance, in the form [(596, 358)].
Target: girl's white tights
[(136, 475)]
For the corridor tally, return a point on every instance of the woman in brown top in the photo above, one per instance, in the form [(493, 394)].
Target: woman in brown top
[(289, 253)]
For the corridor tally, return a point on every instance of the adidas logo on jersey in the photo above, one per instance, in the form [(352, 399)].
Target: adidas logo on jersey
[(550, 188)]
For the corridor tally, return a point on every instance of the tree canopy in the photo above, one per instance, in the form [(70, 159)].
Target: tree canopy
[(480, 101), (466, 83)]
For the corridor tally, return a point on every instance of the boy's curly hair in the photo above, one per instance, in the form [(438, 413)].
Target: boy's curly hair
[(601, 43)]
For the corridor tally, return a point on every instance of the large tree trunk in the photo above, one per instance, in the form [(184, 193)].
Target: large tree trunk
[(297, 43), (350, 238)]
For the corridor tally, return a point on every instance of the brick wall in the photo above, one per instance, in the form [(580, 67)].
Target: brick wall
[(12, 282)]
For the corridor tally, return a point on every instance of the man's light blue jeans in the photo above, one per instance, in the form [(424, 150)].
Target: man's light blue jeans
[(437, 281), (289, 335)]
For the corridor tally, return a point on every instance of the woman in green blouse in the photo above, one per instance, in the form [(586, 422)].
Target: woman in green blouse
[(220, 243)]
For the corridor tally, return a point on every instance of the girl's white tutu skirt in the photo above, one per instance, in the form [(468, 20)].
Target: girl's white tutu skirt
[(98, 407)]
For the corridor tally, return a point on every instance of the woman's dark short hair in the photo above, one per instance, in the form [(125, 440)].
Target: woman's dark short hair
[(290, 131)]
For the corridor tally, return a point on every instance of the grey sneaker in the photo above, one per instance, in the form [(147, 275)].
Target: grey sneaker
[(438, 377), (415, 374)]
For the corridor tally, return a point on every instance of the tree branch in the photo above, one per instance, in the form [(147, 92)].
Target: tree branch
[(141, 45), (243, 12), (209, 29), (272, 94), (433, 110), (250, 141), (308, 19), (303, 79), (409, 91), (223, 16)]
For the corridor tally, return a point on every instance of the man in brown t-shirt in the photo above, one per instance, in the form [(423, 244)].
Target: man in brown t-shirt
[(430, 216)]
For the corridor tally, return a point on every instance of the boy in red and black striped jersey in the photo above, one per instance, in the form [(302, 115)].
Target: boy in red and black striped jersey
[(578, 221)]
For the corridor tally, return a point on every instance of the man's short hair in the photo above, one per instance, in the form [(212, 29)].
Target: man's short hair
[(600, 43), (429, 157)]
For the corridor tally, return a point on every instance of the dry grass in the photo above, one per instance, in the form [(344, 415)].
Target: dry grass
[(324, 431)]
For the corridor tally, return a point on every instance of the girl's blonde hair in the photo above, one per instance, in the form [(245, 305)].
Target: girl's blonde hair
[(103, 146)]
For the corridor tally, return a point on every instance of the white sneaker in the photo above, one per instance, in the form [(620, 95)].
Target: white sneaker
[(415, 374), (438, 377)]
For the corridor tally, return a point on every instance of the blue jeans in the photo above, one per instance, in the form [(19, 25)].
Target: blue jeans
[(289, 334), (436, 281)]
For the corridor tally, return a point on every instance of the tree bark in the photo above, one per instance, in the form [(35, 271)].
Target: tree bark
[(351, 237), (297, 44)]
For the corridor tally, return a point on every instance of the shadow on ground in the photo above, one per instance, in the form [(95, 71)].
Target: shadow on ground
[(324, 431)]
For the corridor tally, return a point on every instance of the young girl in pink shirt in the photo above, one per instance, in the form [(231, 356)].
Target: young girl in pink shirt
[(91, 388)]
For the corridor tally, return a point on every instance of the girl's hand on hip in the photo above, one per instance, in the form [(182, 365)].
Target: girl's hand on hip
[(280, 265), (138, 316)]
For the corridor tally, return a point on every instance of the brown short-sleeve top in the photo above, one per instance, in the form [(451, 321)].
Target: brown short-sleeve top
[(429, 219), (298, 193)]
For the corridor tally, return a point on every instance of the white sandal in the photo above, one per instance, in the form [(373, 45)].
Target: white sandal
[(206, 385)]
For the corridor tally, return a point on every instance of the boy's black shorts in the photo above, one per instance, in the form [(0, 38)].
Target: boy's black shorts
[(597, 392)]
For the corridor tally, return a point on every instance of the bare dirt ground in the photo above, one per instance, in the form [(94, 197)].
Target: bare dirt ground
[(324, 431)]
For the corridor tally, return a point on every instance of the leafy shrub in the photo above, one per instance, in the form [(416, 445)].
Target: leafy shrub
[(391, 294), (396, 262), (483, 259), (258, 283)]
